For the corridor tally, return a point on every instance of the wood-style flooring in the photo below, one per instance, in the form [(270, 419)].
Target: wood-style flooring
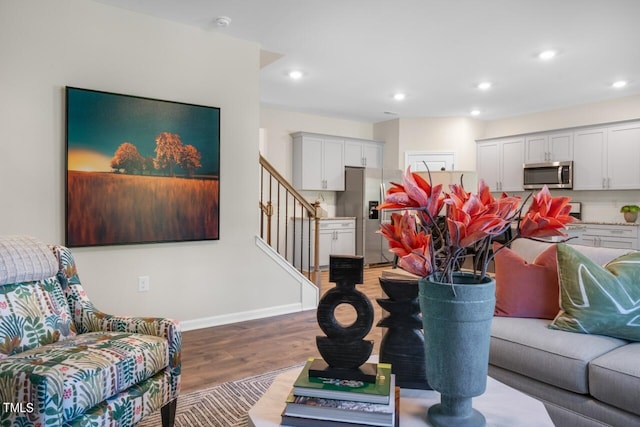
[(223, 353)]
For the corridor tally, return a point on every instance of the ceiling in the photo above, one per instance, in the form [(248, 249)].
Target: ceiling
[(355, 54)]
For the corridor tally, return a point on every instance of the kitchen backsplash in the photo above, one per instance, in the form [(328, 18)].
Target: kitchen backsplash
[(327, 200), (597, 206), (604, 206)]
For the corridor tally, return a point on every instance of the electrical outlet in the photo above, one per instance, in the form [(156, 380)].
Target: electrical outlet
[(143, 283)]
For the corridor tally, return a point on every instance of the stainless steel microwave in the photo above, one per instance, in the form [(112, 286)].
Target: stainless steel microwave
[(551, 174)]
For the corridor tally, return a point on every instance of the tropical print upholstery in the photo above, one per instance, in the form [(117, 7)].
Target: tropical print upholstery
[(33, 314), (65, 363)]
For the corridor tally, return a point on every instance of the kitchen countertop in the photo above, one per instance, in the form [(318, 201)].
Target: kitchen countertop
[(631, 224), (338, 218)]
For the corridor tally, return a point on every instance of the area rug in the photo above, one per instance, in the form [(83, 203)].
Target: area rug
[(224, 405)]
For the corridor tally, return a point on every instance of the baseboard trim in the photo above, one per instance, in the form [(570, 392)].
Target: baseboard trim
[(225, 319), (309, 298)]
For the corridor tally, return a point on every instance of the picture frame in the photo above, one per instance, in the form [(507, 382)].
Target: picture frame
[(140, 170)]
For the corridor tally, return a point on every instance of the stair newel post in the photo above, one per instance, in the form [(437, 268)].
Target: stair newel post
[(316, 244), (267, 210)]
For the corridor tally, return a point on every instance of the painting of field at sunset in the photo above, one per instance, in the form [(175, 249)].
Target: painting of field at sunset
[(140, 170)]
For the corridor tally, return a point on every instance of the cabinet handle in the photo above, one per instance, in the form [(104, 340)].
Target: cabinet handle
[(616, 231), (604, 181), (608, 182), (364, 161)]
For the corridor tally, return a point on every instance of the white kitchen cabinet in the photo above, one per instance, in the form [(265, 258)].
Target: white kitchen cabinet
[(554, 147), (623, 157), (607, 158), (499, 163), (318, 162), (589, 162), (337, 236), (363, 153), (607, 235)]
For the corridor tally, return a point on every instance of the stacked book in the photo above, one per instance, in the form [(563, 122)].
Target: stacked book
[(329, 402)]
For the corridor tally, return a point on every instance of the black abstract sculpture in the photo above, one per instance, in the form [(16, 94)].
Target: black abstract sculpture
[(403, 342), (344, 348)]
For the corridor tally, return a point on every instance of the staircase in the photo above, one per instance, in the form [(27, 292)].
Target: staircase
[(294, 241)]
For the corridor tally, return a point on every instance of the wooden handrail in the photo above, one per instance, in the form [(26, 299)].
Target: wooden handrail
[(269, 167), (312, 210)]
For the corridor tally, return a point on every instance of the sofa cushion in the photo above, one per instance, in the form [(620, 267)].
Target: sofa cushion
[(597, 300), (529, 249), (559, 358), (33, 314), (614, 378), (526, 289), (94, 366)]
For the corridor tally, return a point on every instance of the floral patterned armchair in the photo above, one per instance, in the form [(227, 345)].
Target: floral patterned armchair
[(63, 362)]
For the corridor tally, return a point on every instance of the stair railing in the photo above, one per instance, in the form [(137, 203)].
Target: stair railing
[(289, 223)]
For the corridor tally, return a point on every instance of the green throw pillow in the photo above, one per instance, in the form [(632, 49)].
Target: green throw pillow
[(599, 300)]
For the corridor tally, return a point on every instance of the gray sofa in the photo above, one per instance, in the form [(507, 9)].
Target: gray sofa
[(583, 380)]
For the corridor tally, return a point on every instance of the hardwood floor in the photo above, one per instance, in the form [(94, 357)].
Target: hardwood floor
[(223, 353)]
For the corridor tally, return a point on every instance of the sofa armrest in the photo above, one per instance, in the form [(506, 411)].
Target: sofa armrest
[(88, 318), (33, 393)]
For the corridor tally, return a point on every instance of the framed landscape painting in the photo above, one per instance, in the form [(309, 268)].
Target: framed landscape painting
[(140, 170)]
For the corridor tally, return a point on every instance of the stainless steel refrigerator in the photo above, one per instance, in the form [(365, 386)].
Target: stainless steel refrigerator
[(364, 191)]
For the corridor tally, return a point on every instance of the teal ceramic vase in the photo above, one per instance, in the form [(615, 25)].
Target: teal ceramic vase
[(457, 331)]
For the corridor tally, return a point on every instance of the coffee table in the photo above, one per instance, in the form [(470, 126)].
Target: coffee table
[(501, 405)]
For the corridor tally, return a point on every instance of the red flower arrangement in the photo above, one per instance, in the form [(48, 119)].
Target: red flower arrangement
[(471, 221)]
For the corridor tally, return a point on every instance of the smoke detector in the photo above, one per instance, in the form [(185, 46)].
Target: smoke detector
[(222, 21)]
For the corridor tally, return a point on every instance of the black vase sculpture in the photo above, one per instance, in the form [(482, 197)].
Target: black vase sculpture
[(403, 342), (344, 349)]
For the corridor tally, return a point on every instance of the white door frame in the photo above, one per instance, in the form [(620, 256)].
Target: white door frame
[(434, 159)]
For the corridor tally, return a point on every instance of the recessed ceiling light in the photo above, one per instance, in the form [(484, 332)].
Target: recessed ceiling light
[(399, 96), (619, 84), (484, 86), (295, 74), (222, 21), (547, 55), (475, 112)]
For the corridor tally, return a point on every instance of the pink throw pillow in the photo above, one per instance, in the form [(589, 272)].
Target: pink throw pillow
[(526, 290)]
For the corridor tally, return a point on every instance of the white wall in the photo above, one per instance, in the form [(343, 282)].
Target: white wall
[(389, 132), (47, 45), (627, 108), (456, 134), (438, 134)]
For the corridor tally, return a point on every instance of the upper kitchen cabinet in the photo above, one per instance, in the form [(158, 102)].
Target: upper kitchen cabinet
[(363, 153), (555, 147), (589, 164), (607, 158), (623, 156), (318, 162), (499, 163)]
